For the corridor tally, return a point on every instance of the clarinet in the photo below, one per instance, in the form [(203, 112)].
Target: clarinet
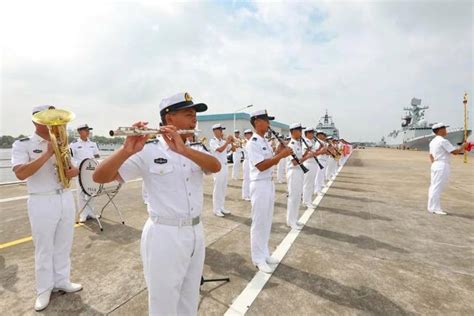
[(293, 155), (322, 145), (309, 148)]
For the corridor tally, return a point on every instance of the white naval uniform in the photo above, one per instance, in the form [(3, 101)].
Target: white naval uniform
[(321, 175), (295, 178), (330, 168), (81, 150), (246, 175), (220, 178), (440, 149), (309, 178), (51, 212), (236, 162), (262, 195), (281, 171), (173, 256)]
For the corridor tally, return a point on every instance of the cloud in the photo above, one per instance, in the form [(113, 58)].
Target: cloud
[(116, 60)]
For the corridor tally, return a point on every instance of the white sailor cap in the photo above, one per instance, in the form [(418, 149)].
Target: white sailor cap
[(236, 131), (296, 126), (39, 108), (84, 126), (438, 125), (217, 126), (262, 114), (320, 132), (309, 129), (180, 101), (248, 131), (329, 137)]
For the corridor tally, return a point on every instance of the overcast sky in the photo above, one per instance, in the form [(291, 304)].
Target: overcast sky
[(111, 62)]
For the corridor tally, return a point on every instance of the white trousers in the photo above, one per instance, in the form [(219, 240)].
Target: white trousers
[(220, 187), (52, 220), (246, 181), (281, 170), (173, 261), (295, 178), (320, 177), (439, 178), (262, 195), (330, 168), (309, 179), (81, 201), (236, 164)]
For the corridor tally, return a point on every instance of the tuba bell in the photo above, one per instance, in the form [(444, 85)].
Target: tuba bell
[(56, 121)]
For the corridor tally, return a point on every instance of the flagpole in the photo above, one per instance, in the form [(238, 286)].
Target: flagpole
[(465, 124)]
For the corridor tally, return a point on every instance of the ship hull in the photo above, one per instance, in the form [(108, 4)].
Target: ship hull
[(455, 137)]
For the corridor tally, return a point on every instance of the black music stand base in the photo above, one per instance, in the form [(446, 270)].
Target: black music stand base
[(214, 280)]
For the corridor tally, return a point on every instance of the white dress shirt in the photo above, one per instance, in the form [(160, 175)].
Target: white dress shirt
[(173, 182), (259, 149)]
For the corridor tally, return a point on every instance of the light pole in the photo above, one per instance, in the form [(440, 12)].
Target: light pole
[(238, 110)]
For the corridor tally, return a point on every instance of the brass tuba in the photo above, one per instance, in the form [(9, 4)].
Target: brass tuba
[(56, 120)]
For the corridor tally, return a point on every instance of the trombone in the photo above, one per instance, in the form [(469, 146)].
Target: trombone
[(136, 131)]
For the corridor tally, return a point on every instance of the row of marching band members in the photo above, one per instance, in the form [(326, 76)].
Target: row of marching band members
[(321, 156), (172, 169)]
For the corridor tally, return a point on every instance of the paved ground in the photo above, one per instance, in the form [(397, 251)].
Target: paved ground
[(370, 248)]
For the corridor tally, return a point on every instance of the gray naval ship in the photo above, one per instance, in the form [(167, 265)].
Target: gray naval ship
[(416, 132), (327, 125)]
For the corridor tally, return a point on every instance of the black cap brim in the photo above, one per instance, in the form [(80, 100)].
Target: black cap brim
[(264, 116), (199, 107), (222, 128)]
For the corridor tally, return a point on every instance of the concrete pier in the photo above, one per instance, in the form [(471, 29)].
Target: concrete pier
[(370, 247)]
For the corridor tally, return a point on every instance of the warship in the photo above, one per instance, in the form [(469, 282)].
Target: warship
[(416, 132), (327, 125)]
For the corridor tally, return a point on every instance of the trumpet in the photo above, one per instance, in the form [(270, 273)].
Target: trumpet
[(135, 131)]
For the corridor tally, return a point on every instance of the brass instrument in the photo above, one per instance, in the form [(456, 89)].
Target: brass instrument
[(56, 121), (136, 131), (237, 142), (202, 140)]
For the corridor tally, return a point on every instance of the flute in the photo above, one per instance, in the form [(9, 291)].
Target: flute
[(135, 131), (292, 155)]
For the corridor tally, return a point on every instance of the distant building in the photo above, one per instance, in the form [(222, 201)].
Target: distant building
[(242, 122)]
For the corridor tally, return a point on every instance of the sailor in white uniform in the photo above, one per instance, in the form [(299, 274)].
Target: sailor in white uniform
[(220, 147), (310, 177), (51, 211), (295, 176), (331, 162), (262, 189), (173, 243), (81, 149), (323, 159), (237, 155), (281, 167), (440, 151), (246, 167)]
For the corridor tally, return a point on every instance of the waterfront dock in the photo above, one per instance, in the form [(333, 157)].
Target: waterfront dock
[(369, 248)]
